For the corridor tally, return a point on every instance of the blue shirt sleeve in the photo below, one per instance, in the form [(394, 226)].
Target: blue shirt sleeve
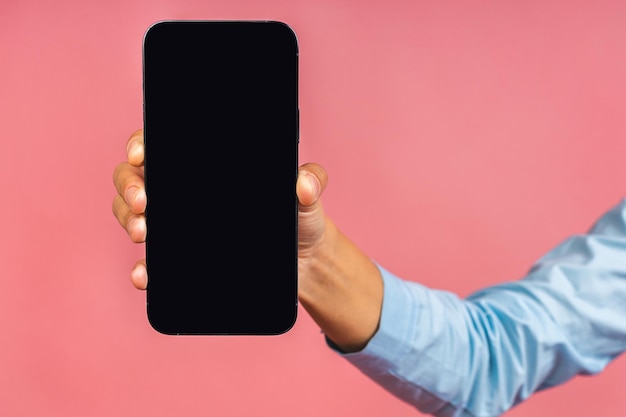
[(481, 355)]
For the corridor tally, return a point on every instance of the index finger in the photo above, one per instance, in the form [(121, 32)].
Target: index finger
[(134, 149)]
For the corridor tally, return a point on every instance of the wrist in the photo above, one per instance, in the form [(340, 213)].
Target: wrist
[(341, 288)]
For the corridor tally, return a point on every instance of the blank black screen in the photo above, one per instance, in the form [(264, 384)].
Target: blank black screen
[(221, 142)]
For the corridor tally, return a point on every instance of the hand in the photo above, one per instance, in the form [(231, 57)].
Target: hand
[(338, 285), (130, 202)]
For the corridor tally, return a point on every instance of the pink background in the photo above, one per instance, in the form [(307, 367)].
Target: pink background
[(463, 140)]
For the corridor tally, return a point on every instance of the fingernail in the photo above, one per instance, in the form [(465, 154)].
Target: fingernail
[(313, 184), (131, 224), (138, 277), (140, 224), (132, 150), (137, 229), (130, 195)]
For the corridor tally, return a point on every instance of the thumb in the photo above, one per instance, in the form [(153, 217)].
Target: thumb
[(312, 180)]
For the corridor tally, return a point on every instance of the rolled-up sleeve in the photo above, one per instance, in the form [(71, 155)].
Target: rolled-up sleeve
[(481, 355)]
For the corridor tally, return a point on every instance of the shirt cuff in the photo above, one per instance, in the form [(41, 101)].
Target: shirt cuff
[(396, 348), (393, 331)]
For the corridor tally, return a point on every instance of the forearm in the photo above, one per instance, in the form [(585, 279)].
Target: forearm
[(480, 356), (342, 290)]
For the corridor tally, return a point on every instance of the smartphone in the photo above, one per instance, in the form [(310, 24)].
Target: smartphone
[(221, 127)]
